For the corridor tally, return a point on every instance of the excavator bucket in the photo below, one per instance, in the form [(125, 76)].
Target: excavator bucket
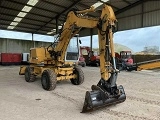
[(99, 98)]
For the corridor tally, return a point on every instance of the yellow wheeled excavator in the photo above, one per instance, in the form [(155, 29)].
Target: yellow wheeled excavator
[(51, 65), (55, 62)]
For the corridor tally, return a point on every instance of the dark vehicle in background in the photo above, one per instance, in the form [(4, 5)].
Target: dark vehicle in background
[(124, 60), (81, 61), (91, 57)]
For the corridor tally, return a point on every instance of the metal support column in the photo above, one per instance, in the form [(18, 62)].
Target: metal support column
[(33, 40), (142, 13), (7, 45), (91, 40)]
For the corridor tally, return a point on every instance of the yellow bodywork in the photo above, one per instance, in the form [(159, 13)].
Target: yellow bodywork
[(39, 55), (22, 70), (149, 65), (40, 58), (64, 73)]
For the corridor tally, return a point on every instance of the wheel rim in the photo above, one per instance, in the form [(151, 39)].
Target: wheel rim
[(44, 81)]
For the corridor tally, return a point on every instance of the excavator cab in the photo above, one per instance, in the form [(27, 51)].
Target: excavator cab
[(126, 60), (73, 52), (73, 49), (125, 54)]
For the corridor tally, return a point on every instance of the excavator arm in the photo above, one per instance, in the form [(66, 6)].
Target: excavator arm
[(72, 26), (106, 92), (105, 25)]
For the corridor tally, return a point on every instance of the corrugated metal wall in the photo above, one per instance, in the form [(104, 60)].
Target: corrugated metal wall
[(143, 58), (19, 46), (151, 15), (143, 15)]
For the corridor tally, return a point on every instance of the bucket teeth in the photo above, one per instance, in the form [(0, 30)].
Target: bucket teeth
[(87, 103), (98, 98)]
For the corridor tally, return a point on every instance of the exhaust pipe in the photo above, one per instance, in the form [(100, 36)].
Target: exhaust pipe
[(99, 98)]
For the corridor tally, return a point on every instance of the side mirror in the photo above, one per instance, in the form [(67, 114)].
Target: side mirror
[(80, 42)]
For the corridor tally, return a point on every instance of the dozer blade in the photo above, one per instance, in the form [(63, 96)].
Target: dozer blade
[(98, 98)]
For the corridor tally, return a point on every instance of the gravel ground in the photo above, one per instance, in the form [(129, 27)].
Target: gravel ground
[(20, 100)]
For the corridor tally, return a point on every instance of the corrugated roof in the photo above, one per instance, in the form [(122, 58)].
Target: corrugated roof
[(42, 17)]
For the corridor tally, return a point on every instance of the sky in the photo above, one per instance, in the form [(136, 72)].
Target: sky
[(25, 36), (135, 39)]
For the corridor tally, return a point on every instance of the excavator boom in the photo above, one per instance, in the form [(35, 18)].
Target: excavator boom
[(106, 92)]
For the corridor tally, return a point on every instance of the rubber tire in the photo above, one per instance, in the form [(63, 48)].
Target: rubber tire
[(97, 65), (50, 80), (84, 65), (80, 76), (29, 76)]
